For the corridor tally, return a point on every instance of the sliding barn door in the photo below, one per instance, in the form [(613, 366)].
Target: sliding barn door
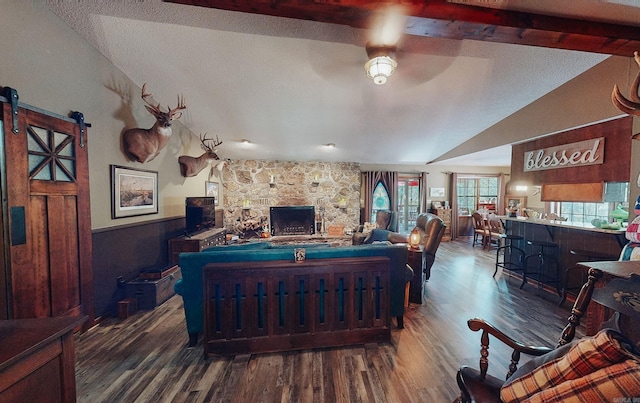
[(45, 179)]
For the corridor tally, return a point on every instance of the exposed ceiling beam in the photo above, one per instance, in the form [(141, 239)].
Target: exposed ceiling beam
[(439, 18)]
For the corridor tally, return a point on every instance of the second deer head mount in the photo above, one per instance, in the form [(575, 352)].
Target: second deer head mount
[(143, 145), (191, 166)]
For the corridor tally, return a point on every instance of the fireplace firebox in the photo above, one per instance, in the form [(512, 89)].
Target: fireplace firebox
[(292, 220)]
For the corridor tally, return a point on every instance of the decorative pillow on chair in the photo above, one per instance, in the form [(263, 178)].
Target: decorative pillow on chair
[(367, 227), (598, 368)]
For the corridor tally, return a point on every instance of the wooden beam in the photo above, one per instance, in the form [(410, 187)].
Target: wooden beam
[(439, 18)]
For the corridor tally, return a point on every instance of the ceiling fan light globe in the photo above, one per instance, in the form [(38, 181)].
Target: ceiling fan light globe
[(380, 80), (379, 68)]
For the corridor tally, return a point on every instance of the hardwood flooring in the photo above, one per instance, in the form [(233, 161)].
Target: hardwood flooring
[(145, 358)]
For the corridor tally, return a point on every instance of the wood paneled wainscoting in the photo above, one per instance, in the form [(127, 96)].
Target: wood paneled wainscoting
[(253, 307)]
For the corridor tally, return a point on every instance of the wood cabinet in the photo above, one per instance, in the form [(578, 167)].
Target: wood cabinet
[(47, 254), (445, 214), (37, 361), (195, 243)]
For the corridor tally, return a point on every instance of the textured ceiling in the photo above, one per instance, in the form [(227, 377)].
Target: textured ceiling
[(291, 86)]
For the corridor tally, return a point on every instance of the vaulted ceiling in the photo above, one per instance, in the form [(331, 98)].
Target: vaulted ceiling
[(288, 75)]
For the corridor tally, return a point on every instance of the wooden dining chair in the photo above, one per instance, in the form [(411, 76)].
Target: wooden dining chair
[(479, 230), (494, 233)]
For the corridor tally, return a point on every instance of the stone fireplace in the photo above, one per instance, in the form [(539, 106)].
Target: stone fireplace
[(292, 220), (253, 187)]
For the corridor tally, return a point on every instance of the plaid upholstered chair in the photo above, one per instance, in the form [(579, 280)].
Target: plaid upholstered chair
[(605, 366)]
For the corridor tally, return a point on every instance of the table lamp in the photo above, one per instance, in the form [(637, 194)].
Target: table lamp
[(414, 239)]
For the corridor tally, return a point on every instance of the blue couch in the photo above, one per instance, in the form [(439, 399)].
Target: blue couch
[(190, 286)]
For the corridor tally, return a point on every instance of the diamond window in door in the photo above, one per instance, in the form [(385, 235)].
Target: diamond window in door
[(51, 155)]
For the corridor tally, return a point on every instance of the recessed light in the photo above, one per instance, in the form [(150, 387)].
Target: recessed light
[(330, 145), (245, 141)]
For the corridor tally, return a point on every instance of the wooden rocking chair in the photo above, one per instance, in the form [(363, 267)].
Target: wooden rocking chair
[(477, 386)]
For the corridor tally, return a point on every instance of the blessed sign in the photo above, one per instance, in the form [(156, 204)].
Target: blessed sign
[(582, 153)]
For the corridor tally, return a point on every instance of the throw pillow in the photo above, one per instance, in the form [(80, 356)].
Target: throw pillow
[(588, 365), (367, 227)]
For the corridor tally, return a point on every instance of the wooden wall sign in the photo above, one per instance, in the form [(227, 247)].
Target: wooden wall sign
[(586, 152), (615, 153)]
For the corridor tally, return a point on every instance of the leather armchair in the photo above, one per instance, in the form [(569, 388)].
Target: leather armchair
[(431, 228)]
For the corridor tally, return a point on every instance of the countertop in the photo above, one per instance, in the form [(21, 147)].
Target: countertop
[(565, 224)]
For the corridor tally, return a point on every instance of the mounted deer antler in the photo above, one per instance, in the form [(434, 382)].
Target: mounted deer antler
[(143, 145), (632, 107), (191, 166)]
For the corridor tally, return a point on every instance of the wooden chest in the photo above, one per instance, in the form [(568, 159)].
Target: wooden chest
[(196, 243), (151, 293)]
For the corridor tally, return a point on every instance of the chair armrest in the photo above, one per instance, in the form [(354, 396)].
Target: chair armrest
[(408, 273), (477, 324)]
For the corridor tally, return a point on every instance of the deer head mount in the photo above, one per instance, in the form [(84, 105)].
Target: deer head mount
[(191, 166), (143, 145), (632, 106)]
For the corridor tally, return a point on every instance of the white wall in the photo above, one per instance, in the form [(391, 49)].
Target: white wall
[(52, 68)]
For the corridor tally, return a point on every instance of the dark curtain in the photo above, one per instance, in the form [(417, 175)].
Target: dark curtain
[(424, 207), (389, 181), (453, 192)]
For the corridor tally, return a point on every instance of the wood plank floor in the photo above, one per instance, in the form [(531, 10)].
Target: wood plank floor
[(145, 358)]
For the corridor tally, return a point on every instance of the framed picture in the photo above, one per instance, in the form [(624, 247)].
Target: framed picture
[(515, 201), (436, 192), (211, 189), (133, 192)]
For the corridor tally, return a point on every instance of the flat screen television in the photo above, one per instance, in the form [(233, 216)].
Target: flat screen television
[(200, 214)]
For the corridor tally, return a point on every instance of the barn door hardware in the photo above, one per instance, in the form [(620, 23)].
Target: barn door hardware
[(79, 117), (12, 97)]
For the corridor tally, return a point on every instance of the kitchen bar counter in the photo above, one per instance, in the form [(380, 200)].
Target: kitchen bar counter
[(568, 236), (566, 224)]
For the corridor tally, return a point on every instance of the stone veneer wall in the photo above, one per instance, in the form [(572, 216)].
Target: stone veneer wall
[(247, 185)]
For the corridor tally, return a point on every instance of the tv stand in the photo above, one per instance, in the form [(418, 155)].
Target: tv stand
[(196, 242)]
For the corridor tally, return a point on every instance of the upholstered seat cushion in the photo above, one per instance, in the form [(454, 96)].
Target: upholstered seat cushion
[(599, 368)]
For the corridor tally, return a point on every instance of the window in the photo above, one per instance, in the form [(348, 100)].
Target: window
[(381, 200), (616, 193), (408, 202), (477, 192), (578, 212)]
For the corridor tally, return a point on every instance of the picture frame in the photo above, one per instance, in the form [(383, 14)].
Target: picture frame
[(211, 190), (436, 192), (134, 192), (514, 201)]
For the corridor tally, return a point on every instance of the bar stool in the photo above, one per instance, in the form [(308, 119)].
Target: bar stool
[(507, 246), (543, 262), (586, 255)]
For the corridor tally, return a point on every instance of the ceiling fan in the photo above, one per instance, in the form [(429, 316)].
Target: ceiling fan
[(387, 25)]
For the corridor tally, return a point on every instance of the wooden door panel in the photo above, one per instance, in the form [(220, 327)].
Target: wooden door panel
[(47, 178)]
